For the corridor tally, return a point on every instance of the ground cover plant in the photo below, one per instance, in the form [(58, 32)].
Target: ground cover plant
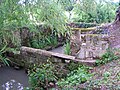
[(42, 76), (108, 56), (75, 77), (106, 77)]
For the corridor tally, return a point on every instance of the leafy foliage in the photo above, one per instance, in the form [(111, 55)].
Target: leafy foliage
[(50, 13), (108, 56), (11, 18), (67, 5), (106, 76), (94, 11), (44, 42), (40, 76), (4, 60), (76, 77), (67, 48), (73, 65), (14, 15)]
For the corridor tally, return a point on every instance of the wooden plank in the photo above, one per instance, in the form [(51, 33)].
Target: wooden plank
[(63, 56)]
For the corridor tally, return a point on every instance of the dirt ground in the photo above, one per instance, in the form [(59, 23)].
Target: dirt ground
[(106, 77)]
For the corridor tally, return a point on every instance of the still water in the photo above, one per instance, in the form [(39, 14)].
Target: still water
[(11, 79)]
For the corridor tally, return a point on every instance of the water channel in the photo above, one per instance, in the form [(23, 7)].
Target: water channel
[(12, 79)]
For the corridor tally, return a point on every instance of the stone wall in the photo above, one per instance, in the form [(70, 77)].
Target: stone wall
[(75, 43), (114, 36), (87, 46)]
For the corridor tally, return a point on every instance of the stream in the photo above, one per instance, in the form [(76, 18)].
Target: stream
[(11, 79)]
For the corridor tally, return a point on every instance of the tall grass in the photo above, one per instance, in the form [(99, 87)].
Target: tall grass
[(67, 48)]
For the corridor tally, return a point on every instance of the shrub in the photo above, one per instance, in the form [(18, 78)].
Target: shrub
[(41, 76)]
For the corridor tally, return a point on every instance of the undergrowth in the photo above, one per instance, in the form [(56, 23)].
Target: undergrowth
[(107, 57), (44, 42), (75, 77), (67, 48), (40, 76)]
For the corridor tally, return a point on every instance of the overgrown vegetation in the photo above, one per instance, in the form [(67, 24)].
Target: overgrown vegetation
[(17, 14), (99, 11), (4, 60), (54, 15), (75, 77), (46, 76), (106, 76), (107, 57), (41, 76), (10, 20), (67, 48), (44, 42)]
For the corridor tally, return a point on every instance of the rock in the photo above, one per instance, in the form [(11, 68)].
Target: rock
[(51, 84), (17, 67)]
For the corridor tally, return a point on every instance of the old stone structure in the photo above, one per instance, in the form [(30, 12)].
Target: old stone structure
[(32, 55), (86, 44), (114, 35), (91, 43), (25, 36)]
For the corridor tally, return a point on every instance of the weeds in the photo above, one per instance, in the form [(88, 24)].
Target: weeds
[(67, 48), (44, 42), (107, 57), (41, 76), (76, 77)]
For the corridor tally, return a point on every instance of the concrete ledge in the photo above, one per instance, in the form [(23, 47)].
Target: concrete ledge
[(32, 55)]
